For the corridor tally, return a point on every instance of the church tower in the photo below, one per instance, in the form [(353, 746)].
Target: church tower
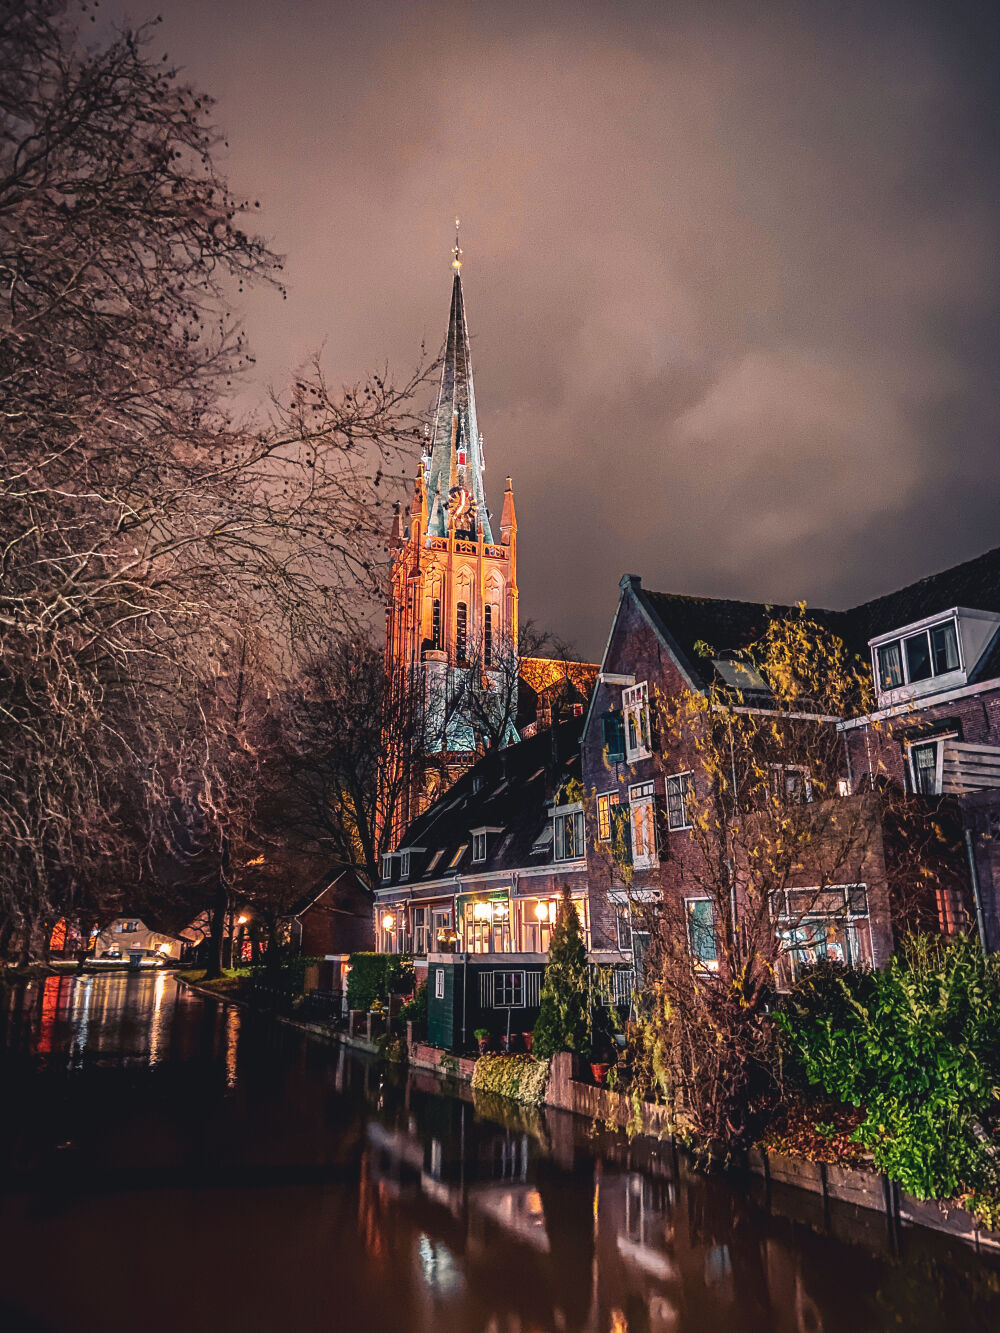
[(451, 621)]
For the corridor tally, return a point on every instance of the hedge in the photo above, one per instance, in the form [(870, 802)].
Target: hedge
[(374, 975), (522, 1078)]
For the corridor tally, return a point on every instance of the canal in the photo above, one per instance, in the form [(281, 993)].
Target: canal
[(172, 1163)]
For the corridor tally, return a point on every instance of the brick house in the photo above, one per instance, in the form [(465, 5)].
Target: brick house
[(335, 917), (933, 746)]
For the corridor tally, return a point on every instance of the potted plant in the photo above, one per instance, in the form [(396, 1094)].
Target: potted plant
[(482, 1036), (527, 1038), (599, 1070)]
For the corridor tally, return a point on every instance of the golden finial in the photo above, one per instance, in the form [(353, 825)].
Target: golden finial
[(456, 262)]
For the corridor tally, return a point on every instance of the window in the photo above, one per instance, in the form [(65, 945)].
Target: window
[(439, 983), (461, 633), (458, 856), (790, 784), (621, 832), (920, 656), (816, 924), (441, 932), (613, 737), (479, 846), (487, 926), (418, 921), (925, 760), (642, 808), (436, 623), (387, 867), (433, 862), (680, 789), (604, 803), (508, 990), (569, 835), (543, 842), (404, 865), (701, 932), (127, 927), (635, 706), (952, 917), (623, 924), (488, 636)]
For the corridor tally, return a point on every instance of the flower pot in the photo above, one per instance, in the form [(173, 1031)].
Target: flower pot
[(527, 1038), (483, 1044), (600, 1073)]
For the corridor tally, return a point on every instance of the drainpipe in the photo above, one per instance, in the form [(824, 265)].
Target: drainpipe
[(976, 894)]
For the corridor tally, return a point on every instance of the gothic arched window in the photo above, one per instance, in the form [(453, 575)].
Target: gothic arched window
[(488, 636), (436, 623), (461, 632)]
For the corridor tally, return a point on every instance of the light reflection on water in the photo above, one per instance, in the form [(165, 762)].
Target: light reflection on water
[(176, 1161)]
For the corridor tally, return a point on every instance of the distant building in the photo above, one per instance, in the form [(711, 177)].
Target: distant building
[(130, 939), (334, 917)]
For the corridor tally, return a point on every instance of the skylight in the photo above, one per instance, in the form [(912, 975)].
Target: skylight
[(740, 675)]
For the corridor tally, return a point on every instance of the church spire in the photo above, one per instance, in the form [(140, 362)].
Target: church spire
[(456, 453)]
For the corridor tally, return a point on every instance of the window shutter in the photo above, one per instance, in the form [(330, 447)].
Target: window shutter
[(613, 736)]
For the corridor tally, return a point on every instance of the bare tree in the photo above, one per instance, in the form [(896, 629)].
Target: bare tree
[(142, 526)]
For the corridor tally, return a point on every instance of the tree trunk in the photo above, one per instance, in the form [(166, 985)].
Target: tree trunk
[(220, 906)]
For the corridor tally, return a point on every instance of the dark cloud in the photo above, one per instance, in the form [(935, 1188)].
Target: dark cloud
[(730, 269)]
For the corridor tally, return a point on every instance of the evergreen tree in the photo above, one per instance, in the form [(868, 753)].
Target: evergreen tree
[(565, 1021)]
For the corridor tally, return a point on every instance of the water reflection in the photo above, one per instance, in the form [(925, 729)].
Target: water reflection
[(259, 1180)]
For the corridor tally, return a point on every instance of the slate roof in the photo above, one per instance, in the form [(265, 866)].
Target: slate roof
[(509, 790), (728, 625)]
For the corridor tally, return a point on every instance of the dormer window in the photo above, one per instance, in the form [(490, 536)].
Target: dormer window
[(916, 657), (387, 866), (404, 865), (479, 847)]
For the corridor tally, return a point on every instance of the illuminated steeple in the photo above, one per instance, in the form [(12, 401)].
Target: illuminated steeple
[(455, 470)]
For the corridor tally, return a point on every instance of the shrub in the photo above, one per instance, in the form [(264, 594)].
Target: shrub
[(917, 1046), (520, 1077), (415, 1011), (374, 975)]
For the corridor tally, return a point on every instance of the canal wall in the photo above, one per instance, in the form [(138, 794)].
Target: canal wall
[(778, 1178)]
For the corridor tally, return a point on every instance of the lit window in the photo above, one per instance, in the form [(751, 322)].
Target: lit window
[(701, 932), (680, 789), (439, 983), (404, 865), (433, 863), (479, 847), (642, 814), (604, 803), (436, 623), (814, 925), (488, 636), (458, 856), (440, 925), (635, 706), (461, 633), (569, 835), (916, 657)]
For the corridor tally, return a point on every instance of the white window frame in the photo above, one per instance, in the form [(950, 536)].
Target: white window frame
[(856, 924), (635, 710), (897, 639), (916, 743), (702, 964), (434, 860), (686, 780), (559, 816), (478, 848), (518, 979), (642, 815), (404, 865), (387, 865), (419, 932), (439, 983)]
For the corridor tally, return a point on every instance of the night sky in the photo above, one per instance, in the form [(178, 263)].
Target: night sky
[(730, 270)]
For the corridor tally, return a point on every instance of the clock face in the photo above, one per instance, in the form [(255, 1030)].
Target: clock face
[(461, 503)]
